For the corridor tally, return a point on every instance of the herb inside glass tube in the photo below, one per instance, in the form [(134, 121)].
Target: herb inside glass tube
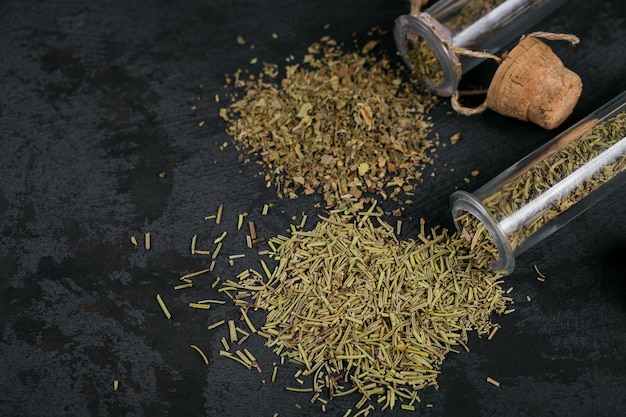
[(551, 186)]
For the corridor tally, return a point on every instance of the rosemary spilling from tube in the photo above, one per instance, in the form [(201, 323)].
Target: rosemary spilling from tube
[(363, 312)]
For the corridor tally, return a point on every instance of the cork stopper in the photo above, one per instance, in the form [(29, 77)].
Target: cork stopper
[(531, 83)]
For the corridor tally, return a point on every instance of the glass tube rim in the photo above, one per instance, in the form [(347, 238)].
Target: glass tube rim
[(463, 201), (438, 38)]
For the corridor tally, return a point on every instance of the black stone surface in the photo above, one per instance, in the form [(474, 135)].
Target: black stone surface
[(95, 102)]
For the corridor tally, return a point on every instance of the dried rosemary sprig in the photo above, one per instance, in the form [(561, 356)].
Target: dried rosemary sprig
[(340, 123), (364, 312)]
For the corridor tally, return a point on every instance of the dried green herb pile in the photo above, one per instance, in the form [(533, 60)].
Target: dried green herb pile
[(560, 162), (364, 312), (337, 124)]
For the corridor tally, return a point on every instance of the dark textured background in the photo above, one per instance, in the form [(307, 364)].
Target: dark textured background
[(95, 102)]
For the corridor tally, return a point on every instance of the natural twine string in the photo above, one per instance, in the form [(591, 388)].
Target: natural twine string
[(466, 111), (475, 54), (568, 37), (469, 111), (416, 6)]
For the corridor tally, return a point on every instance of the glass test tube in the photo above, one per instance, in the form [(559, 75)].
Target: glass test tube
[(552, 185), (429, 40)]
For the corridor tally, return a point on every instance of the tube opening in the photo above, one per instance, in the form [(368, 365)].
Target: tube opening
[(423, 45), (463, 202)]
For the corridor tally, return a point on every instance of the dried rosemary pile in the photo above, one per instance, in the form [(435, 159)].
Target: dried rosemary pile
[(364, 312), (337, 124)]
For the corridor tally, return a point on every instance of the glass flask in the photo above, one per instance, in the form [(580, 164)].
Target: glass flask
[(552, 185), (430, 42)]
